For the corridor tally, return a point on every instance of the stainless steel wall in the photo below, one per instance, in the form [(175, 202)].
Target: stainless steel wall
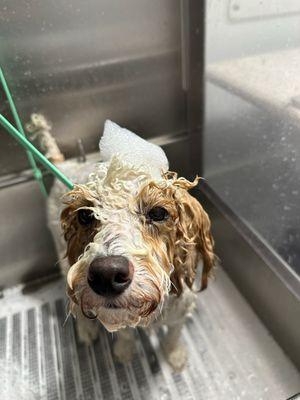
[(80, 63), (252, 148), (26, 248), (83, 62), (252, 158)]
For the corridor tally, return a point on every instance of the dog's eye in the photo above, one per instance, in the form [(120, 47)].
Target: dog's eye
[(85, 217), (157, 214)]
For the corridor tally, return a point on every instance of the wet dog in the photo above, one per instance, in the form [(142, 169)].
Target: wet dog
[(137, 244)]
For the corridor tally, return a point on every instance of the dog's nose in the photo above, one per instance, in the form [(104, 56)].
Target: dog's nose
[(110, 276)]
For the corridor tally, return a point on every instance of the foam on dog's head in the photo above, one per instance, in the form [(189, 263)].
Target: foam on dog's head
[(132, 149)]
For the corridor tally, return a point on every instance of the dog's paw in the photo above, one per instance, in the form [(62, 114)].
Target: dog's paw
[(177, 357), (88, 331), (123, 351)]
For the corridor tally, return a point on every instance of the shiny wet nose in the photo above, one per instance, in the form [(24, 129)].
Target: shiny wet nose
[(110, 276)]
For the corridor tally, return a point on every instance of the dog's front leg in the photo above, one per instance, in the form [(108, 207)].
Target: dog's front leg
[(124, 345), (87, 329), (174, 351), (177, 312)]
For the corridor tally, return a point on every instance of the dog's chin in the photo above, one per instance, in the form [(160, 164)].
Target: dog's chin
[(116, 319), (113, 316)]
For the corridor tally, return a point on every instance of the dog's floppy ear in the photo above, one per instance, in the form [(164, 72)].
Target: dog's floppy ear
[(70, 228), (194, 241), (78, 232)]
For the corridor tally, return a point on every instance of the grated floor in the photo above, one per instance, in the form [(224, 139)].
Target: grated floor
[(231, 354)]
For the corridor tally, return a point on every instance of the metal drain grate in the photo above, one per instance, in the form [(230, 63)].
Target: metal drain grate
[(231, 356)]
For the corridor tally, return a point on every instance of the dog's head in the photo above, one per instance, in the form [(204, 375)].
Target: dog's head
[(131, 241)]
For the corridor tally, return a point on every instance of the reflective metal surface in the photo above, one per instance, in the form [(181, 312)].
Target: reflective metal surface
[(251, 160), (26, 247), (269, 284), (80, 63), (252, 147), (231, 354)]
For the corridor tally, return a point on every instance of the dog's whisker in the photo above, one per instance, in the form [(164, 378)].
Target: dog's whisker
[(67, 317), (174, 286)]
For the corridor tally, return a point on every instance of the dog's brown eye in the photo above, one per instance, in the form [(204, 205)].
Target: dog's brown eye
[(85, 217), (157, 214)]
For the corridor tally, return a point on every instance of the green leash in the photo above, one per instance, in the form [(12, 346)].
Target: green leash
[(33, 153)]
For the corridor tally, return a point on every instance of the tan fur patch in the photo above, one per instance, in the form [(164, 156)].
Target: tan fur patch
[(185, 235), (76, 235)]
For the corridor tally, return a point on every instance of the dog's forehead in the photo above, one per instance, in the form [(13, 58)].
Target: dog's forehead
[(117, 184)]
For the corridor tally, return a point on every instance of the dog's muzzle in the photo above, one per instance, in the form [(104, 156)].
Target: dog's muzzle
[(110, 276)]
